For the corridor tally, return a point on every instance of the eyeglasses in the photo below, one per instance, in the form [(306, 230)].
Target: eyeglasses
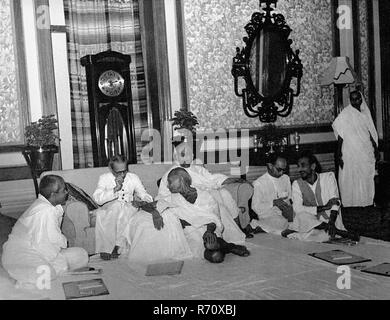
[(121, 172), (280, 170)]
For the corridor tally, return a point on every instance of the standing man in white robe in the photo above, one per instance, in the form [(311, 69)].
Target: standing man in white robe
[(115, 192), (357, 152), (36, 242), (316, 203), (271, 199)]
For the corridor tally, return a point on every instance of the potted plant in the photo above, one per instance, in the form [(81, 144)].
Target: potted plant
[(182, 121), (41, 144)]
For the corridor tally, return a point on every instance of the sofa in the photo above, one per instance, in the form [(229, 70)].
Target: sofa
[(76, 225)]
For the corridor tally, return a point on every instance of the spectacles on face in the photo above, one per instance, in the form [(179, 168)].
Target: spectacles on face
[(121, 172)]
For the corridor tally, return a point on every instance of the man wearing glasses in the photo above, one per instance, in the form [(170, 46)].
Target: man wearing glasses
[(115, 192), (271, 199)]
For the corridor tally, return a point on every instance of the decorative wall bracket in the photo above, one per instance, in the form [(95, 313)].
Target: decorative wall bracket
[(268, 65)]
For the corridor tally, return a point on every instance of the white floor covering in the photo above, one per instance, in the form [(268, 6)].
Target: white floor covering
[(278, 268)]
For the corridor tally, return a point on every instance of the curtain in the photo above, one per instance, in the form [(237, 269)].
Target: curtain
[(94, 26)]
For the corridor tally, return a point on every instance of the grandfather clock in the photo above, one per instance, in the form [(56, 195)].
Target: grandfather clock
[(110, 106)]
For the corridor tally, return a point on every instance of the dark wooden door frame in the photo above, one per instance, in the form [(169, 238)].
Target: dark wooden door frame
[(384, 25)]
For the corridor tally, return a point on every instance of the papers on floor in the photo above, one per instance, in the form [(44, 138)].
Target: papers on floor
[(84, 288)]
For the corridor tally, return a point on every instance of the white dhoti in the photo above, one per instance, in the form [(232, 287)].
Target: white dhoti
[(37, 246), (306, 199), (272, 222), (149, 244), (228, 211), (26, 265), (267, 189), (111, 222)]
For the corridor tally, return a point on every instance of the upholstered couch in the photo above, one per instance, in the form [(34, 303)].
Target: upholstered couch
[(76, 224)]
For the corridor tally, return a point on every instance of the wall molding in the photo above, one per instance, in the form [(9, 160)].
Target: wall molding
[(16, 196), (15, 173)]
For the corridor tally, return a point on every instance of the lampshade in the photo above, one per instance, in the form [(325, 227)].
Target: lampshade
[(338, 72)]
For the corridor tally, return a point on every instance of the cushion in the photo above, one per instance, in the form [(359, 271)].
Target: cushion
[(80, 195)]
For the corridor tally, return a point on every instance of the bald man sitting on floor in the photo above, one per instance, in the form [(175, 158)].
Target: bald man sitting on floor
[(36, 243)]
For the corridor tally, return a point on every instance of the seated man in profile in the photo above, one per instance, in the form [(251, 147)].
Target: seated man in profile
[(218, 185), (316, 203), (271, 200), (36, 241), (115, 193)]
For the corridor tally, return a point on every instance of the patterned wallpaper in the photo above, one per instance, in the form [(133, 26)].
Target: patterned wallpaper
[(213, 30), (10, 127)]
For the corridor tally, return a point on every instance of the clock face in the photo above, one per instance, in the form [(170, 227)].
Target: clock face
[(111, 83)]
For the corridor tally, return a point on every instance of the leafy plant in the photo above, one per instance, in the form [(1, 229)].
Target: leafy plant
[(42, 132), (184, 120)]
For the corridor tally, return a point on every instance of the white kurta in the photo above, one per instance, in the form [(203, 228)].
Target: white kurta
[(112, 218), (266, 190), (202, 179), (172, 242), (306, 216), (356, 179), (36, 240)]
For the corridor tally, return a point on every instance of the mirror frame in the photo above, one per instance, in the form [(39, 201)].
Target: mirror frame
[(254, 104)]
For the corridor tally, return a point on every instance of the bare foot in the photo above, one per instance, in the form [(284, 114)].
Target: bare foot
[(258, 230), (105, 256), (286, 232), (210, 241), (241, 251), (114, 253)]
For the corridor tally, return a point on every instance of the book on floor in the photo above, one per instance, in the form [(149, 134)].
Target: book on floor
[(342, 241), (84, 288), (85, 270), (339, 257), (164, 268), (382, 269)]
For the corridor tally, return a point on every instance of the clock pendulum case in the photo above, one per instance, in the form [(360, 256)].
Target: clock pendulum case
[(110, 106)]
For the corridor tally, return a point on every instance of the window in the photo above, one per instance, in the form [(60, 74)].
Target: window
[(13, 94)]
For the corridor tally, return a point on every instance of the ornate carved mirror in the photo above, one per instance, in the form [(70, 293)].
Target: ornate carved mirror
[(268, 65)]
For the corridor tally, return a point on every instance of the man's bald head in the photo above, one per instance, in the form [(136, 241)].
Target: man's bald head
[(179, 181), (50, 184)]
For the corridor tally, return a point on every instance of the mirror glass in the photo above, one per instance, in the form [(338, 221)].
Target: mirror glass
[(268, 62)]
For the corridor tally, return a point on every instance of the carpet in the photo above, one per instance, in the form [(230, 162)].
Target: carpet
[(277, 269)]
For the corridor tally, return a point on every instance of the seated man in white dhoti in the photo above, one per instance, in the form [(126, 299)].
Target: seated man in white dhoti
[(234, 215), (115, 192), (316, 204), (271, 200), (36, 244), (186, 208)]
